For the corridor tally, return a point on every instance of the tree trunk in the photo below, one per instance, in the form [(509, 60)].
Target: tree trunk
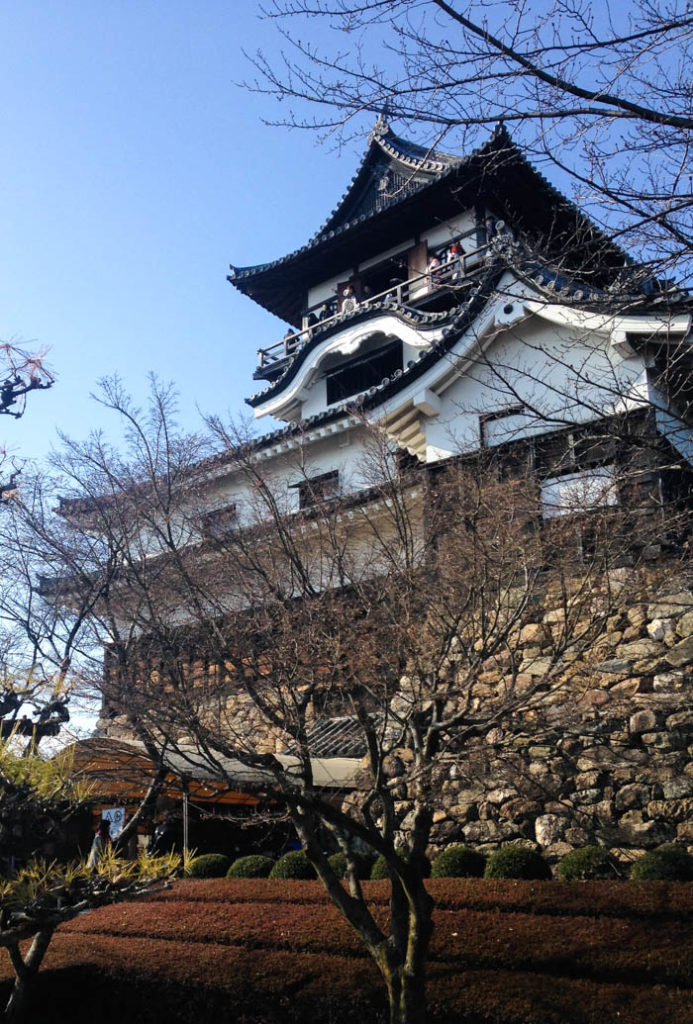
[(403, 961), (25, 972)]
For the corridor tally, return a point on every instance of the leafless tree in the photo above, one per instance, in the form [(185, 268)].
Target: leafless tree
[(599, 95), (21, 372), (398, 608)]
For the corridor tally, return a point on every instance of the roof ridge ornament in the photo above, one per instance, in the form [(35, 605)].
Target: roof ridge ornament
[(381, 126)]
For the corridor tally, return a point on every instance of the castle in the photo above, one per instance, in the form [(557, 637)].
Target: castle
[(469, 311)]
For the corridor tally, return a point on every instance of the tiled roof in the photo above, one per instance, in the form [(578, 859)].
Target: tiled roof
[(334, 737), (430, 164)]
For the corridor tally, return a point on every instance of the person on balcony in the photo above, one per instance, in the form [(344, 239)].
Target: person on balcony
[(454, 259), (433, 272), (349, 300)]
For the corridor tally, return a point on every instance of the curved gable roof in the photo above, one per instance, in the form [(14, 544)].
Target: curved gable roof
[(391, 169), (433, 186)]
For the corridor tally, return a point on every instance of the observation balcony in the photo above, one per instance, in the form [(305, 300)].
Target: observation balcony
[(417, 291)]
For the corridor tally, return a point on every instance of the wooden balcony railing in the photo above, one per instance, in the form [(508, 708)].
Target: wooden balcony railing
[(451, 273)]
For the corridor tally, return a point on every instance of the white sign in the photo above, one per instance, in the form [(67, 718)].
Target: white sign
[(116, 816)]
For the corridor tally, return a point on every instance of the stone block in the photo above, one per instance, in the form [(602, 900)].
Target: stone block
[(537, 666), (557, 851), (497, 796), (684, 627), (680, 654), (681, 720), (639, 649), (659, 628), (684, 831), (586, 796), (632, 796), (587, 780), (661, 740), (594, 699), (671, 810), (613, 666), (557, 807), (535, 633), (677, 786), (595, 757), (637, 615), (463, 812), (671, 606), (642, 721), (669, 682), (519, 809), (540, 752), (634, 826), (549, 829), (627, 687)]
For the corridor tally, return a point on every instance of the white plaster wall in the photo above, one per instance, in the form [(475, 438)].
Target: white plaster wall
[(345, 452), (559, 374), (442, 233)]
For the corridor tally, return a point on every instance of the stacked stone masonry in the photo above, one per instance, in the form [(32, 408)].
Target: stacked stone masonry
[(611, 760)]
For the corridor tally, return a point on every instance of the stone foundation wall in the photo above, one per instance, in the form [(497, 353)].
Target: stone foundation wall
[(608, 758)]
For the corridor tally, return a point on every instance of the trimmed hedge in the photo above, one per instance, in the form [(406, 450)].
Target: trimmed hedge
[(255, 865), (587, 864), (380, 869), (209, 865), (458, 862), (338, 863), (667, 864), (294, 864), (279, 953), (517, 862)]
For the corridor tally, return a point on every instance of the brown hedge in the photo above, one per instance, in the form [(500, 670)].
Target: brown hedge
[(516, 952)]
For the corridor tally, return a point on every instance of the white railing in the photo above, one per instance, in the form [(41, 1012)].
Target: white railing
[(446, 274)]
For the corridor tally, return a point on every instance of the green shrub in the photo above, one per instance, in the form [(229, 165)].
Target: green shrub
[(587, 864), (381, 870), (517, 862), (458, 862), (293, 865), (667, 864), (209, 865), (363, 864), (252, 866)]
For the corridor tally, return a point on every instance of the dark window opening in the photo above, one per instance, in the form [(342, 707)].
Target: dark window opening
[(318, 489), (364, 372), (217, 524)]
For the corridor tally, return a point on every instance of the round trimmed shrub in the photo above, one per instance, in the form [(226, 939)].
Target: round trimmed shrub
[(587, 864), (255, 865), (667, 864), (517, 862), (209, 865), (458, 862), (294, 864), (381, 870), (338, 863)]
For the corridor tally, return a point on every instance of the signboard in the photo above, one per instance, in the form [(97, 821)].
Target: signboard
[(116, 816)]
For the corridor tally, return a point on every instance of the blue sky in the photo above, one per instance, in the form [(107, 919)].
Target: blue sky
[(135, 170)]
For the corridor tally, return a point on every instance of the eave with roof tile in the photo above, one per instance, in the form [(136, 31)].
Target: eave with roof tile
[(496, 175)]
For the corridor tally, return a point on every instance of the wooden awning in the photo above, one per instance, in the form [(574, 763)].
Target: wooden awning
[(122, 771)]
